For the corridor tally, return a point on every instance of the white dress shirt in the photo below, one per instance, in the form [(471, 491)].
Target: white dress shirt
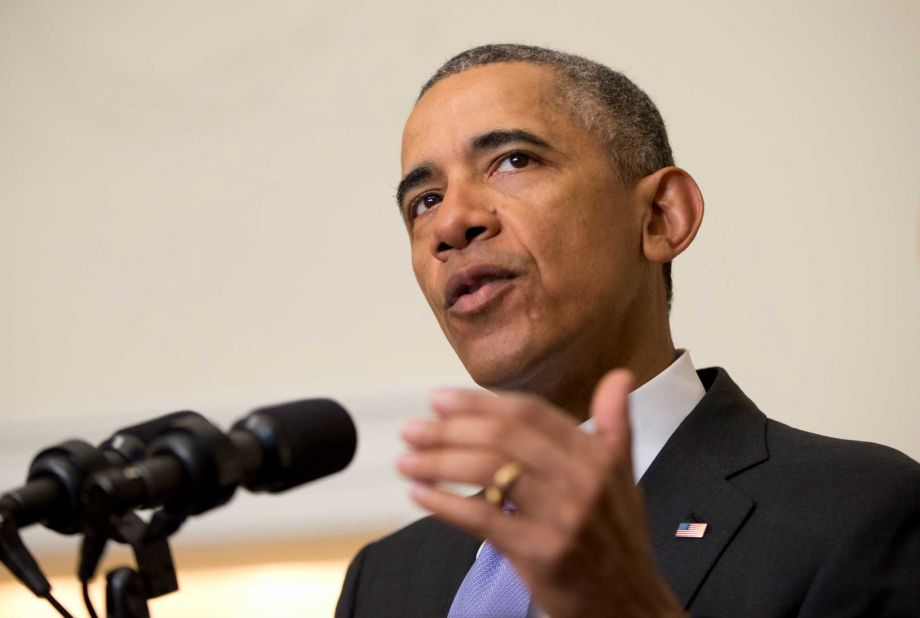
[(657, 408)]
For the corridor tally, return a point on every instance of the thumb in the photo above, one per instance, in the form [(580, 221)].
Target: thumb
[(610, 410)]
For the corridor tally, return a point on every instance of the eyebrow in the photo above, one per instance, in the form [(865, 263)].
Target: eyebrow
[(499, 138), (419, 174), (487, 141)]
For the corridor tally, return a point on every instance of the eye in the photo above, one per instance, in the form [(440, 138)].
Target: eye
[(514, 161), (423, 204)]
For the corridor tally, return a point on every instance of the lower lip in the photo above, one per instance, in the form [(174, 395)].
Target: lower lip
[(478, 301)]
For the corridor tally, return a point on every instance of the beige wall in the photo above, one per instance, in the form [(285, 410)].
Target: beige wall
[(197, 211)]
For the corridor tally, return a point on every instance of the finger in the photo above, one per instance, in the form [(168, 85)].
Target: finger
[(522, 540), (474, 515), (475, 468), (509, 440), (610, 410), (524, 407), (448, 401), (545, 497), (452, 465)]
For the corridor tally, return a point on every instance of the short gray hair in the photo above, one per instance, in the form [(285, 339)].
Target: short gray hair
[(611, 106)]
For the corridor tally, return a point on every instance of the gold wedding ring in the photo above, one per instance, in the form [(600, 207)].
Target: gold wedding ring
[(502, 481)]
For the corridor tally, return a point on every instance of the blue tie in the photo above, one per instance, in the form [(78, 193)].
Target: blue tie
[(491, 589)]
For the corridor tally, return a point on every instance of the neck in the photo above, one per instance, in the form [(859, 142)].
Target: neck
[(639, 342), (569, 380), (575, 396)]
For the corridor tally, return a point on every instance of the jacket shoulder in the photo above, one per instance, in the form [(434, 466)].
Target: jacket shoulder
[(834, 525), (848, 461)]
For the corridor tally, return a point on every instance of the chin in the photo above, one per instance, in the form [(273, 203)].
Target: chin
[(507, 355), (488, 369), (516, 370), (494, 378)]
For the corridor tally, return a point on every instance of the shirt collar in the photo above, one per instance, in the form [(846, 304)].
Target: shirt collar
[(657, 408)]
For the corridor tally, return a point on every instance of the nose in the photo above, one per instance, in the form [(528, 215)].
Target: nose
[(463, 217)]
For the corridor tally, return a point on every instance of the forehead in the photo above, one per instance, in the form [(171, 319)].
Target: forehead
[(495, 96)]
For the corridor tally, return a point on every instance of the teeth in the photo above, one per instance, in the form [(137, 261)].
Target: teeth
[(469, 289), (472, 284)]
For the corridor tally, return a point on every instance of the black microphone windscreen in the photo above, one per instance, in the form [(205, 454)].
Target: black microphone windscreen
[(301, 441)]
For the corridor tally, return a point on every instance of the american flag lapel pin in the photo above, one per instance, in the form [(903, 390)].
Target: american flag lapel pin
[(691, 530)]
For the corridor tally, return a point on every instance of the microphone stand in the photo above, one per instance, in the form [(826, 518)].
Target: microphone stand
[(127, 589)]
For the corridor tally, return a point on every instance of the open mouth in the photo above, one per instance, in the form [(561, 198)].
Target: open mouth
[(471, 288)]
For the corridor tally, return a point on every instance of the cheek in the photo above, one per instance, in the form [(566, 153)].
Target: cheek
[(424, 277), (580, 244), (568, 239)]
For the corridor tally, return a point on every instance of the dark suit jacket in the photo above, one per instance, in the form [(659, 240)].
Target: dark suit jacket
[(799, 525)]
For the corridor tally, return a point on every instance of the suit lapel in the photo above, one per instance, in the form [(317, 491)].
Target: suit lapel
[(443, 564), (688, 481)]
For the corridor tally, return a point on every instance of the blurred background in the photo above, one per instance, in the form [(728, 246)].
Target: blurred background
[(197, 213)]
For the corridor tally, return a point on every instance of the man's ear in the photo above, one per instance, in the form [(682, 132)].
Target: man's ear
[(673, 213)]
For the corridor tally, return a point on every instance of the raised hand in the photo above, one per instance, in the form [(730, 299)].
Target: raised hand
[(579, 537)]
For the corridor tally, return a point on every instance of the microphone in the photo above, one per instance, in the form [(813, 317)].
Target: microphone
[(180, 462), (192, 467), (53, 491), (56, 475)]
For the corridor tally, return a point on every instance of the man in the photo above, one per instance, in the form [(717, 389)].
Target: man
[(543, 210)]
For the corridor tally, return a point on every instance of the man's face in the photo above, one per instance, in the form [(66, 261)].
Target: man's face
[(524, 242)]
